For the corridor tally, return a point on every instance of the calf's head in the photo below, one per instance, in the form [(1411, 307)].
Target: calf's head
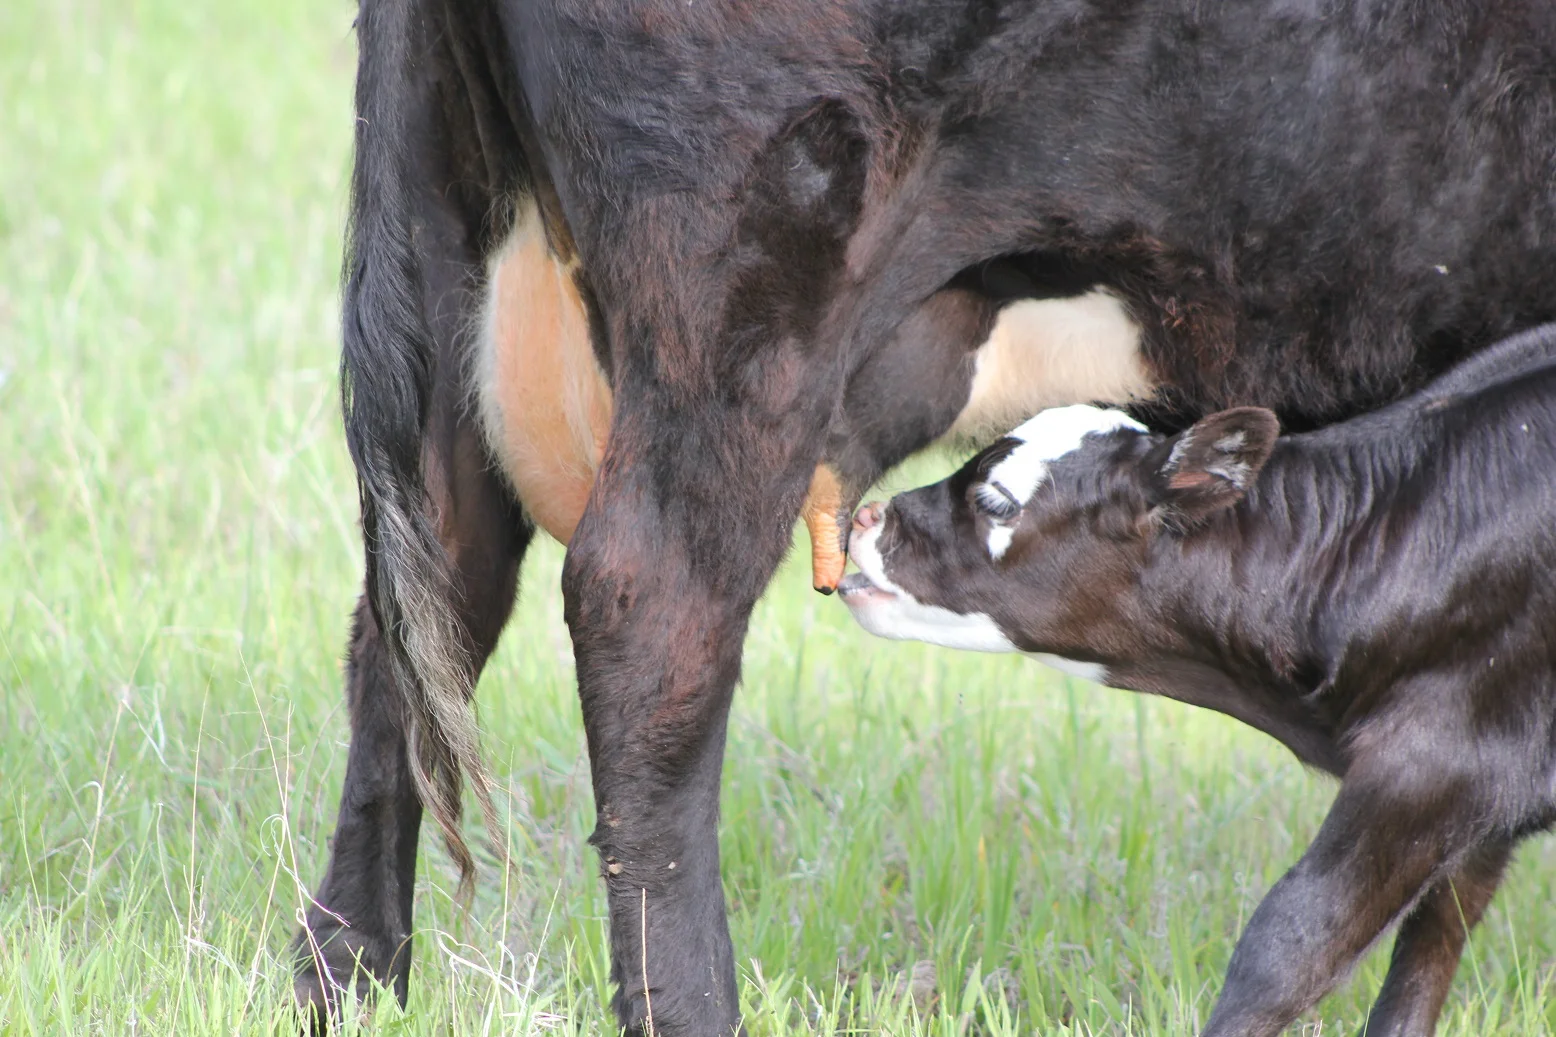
[(1038, 543)]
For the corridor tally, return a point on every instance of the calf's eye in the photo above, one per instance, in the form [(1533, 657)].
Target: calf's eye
[(995, 501)]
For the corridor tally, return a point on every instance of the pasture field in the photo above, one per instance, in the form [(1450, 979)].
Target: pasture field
[(914, 841)]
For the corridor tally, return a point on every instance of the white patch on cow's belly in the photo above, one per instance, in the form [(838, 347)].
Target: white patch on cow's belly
[(1094, 672), (1050, 352)]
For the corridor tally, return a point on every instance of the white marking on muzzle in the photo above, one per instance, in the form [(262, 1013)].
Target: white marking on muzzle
[(1044, 439), (902, 617)]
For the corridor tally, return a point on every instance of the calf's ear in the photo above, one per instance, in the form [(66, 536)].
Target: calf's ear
[(1211, 465)]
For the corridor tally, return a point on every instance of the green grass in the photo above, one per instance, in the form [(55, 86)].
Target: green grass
[(178, 557)]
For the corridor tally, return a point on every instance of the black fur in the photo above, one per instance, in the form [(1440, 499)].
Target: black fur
[(793, 221)]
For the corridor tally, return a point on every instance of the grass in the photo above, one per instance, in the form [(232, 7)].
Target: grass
[(178, 556)]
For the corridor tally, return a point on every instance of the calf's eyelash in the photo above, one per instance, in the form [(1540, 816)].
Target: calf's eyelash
[(995, 501)]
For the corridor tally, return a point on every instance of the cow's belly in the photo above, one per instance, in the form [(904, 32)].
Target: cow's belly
[(1049, 353), (543, 402), (545, 405)]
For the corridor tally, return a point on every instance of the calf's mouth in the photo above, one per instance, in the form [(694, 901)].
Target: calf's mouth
[(870, 583), (856, 589)]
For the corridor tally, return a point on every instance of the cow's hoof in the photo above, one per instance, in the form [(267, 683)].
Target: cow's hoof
[(315, 1006), (333, 972)]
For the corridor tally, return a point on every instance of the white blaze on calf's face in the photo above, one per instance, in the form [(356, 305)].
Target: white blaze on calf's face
[(1042, 440)]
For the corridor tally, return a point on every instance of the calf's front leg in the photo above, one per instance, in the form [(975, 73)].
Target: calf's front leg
[(1394, 830), (1430, 942)]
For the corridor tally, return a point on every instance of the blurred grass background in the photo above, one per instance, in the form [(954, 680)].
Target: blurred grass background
[(914, 841)]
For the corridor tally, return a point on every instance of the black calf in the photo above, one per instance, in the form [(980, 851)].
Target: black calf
[(1378, 596)]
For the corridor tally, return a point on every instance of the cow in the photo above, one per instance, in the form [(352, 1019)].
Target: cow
[(1376, 595), (659, 277)]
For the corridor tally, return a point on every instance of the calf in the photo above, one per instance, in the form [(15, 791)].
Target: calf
[(1377, 596)]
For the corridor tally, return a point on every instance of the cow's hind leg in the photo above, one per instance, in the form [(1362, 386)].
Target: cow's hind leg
[(1430, 942), (435, 154), (358, 926)]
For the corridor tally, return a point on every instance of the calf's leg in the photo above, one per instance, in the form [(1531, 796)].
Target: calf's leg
[(1430, 942), (1393, 832)]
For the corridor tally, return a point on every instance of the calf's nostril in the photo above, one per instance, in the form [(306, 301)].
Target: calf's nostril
[(867, 516)]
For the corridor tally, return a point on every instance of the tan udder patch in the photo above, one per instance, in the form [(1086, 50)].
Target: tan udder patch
[(545, 406), (1049, 353), (543, 401)]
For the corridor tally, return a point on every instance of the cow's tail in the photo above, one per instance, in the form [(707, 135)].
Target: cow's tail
[(387, 369)]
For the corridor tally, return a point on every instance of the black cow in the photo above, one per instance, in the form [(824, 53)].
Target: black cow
[(1378, 595), (660, 275)]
